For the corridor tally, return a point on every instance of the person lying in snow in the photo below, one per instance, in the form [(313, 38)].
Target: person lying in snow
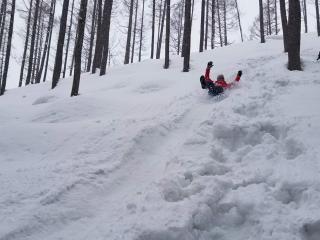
[(220, 84)]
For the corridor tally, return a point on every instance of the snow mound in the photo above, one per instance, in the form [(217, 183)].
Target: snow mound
[(145, 154)]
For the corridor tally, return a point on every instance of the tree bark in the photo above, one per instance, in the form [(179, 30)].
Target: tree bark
[(239, 20), (294, 35), (187, 36), (219, 22), (284, 23), (98, 49), (134, 31), (153, 27), (225, 23), (213, 24), (159, 43), (166, 58), (68, 42), (8, 51), (105, 35), (203, 5), (261, 22), (33, 38), (79, 44), (305, 16), (60, 44), (127, 54), (141, 30), (317, 17), (50, 26)]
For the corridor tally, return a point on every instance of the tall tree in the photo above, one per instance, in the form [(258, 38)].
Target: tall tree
[(153, 26), (219, 23), (239, 20), (32, 43), (105, 35), (160, 34), (128, 44), (294, 35), (225, 22), (134, 31), (317, 16), (60, 44), (166, 58), (203, 5), (26, 43), (284, 23), (68, 41), (141, 30), (8, 50), (207, 26), (213, 23), (261, 22), (93, 28), (187, 36), (98, 49), (79, 44), (49, 46), (305, 16), (46, 45)]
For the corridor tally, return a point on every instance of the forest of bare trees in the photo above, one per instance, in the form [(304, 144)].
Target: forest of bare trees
[(80, 37)]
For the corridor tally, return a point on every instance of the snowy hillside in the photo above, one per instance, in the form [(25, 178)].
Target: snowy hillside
[(145, 154)]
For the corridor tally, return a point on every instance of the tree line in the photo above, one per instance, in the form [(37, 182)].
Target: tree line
[(84, 34)]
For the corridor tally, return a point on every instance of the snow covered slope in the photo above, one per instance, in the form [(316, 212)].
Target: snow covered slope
[(145, 154)]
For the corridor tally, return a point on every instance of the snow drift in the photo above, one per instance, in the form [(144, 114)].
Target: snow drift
[(145, 154)]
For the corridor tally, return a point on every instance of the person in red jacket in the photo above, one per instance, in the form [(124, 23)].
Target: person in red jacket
[(222, 83)]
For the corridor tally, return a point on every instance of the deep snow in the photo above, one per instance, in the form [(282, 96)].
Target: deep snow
[(145, 154)]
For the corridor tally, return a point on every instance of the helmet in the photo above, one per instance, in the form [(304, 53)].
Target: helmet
[(220, 77), (210, 64)]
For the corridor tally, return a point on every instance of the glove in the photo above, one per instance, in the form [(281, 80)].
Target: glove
[(239, 73)]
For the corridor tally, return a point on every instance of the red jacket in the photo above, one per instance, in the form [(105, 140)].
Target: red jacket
[(224, 84)]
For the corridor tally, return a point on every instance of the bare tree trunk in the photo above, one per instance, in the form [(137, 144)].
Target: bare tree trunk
[(105, 35), (49, 47), (68, 42), (317, 17), (93, 28), (33, 36), (134, 31), (141, 30), (127, 54), (213, 24), (305, 16), (207, 26), (60, 44), (219, 22), (225, 23), (153, 26), (181, 13), (276, 15), (261, 22), (203, 5), (239, 20), (284, 23), (50, 26), (187, 36), (8, 51), (166, 58), (98, 49), (269, 17), (79, 44), (159, 43), (25, 45), (294, 35)]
